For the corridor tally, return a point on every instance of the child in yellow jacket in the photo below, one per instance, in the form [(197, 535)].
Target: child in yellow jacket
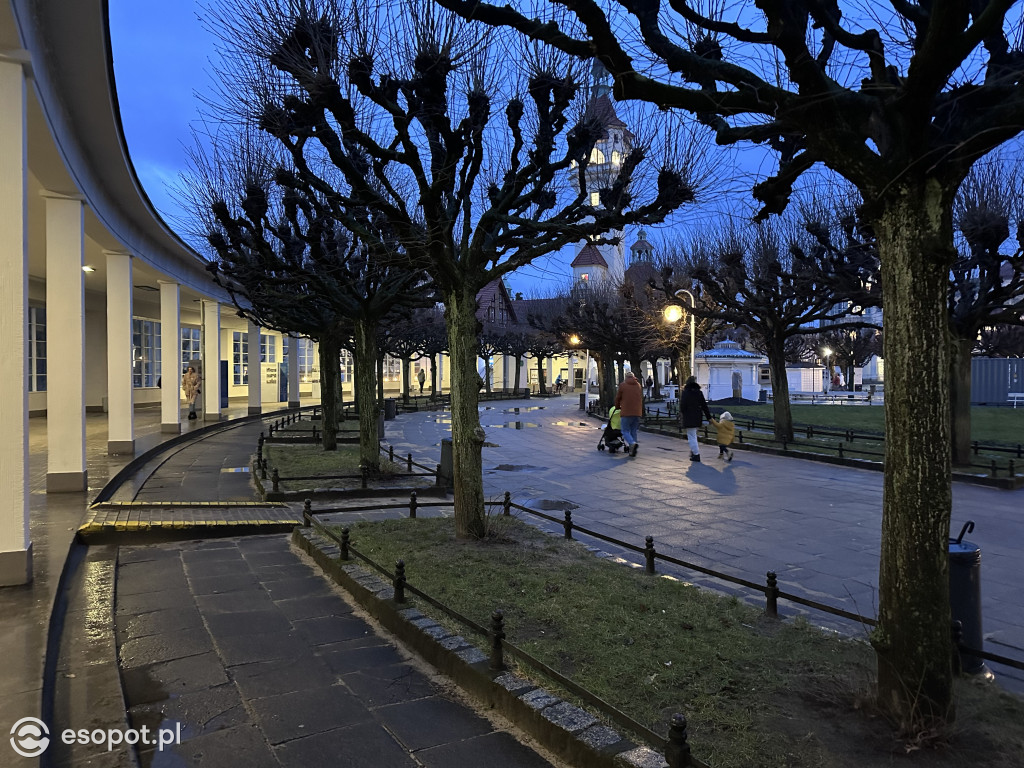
[(726, 432)]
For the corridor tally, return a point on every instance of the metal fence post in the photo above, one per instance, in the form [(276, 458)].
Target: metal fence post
[(497, 636), (399, 582), (772, 596), (412, 504), (344, 544), (567, 524), (409, 463), (275, 478), (677, 751), (507, 504), (649, 553), (307, 512)]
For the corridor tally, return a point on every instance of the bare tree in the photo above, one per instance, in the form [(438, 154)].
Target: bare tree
[(901, 103), (986, 283)]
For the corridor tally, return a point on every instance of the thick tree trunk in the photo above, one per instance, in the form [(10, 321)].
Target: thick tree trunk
[(519, 373), (433, 377), (330, 369), (960, 397), (540, 376), (369, 408), (607, 380), (912, 639), (467, 434), (782, 414), (379, 365), (406, 365)]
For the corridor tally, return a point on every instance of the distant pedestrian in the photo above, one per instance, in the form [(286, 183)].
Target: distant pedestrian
[(726, 430), (650, 385), (422, 377), (692, 406), (190, 384), (630, 400)]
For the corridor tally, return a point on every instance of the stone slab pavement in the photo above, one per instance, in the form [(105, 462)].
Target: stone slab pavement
[(259, 662), (816, 525)]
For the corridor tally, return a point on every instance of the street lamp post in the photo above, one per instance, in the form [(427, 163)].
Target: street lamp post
[(693, 330)]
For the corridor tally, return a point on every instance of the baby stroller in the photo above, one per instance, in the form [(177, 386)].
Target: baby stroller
[(611, 438)]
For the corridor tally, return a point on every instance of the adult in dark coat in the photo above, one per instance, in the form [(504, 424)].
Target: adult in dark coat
[(692, 407)]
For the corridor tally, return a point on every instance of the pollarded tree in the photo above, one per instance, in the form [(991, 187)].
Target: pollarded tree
[(282, 247), (485, 177), (779, 282), (851, 348), (986, 282), (901, 100), (1001, 341)]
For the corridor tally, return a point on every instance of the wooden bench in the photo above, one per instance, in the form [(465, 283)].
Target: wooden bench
[(840, 396), (1013, 397)]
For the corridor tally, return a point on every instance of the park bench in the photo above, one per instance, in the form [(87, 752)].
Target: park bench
[(1013, 397)]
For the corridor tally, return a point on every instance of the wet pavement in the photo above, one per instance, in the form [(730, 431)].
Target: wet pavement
[(250, 654)]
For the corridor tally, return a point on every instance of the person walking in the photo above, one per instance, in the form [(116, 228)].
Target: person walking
[(692, 406), (650, 385), (726, 430), (190, 384), (629, 399), (422, 378)]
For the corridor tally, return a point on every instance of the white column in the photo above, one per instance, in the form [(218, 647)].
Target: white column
[(170, 356), (65, 316), (120, 396), (293, 371), (255, 370), (15, 542), (211, 360)]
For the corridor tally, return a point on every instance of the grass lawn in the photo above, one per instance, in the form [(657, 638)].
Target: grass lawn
[(758, 693), (313, 460)]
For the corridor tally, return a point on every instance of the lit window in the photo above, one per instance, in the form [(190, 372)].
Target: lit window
[(145, 353), (36, 349), (584, 277), (240, 358), (595, 199), (596, 155), (306, 361), (616, 157), (268, 349), (189, 347)]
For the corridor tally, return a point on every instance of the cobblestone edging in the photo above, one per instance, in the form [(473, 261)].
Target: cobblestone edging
[(572, 733)]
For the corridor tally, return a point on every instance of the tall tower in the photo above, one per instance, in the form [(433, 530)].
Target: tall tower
[(599, 263)]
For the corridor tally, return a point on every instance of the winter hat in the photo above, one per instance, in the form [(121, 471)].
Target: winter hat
[(726, 416)]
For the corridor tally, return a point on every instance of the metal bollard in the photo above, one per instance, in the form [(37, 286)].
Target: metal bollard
[(567, 524), (497, 637), (275, 479), (412, 504), (772, 596), (263, 470), (409, 464), (677, 751), (507, 504), (649, 553), (399, 582), (307, 512), (344, 544)]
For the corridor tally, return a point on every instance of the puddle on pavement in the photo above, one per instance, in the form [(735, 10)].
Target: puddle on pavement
[(234, 469), (526, 409), (442, 420), (576, 424), (512, 425), (553, 504), (518, 468)]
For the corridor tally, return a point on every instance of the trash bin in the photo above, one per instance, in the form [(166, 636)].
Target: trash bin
[(965, 597), (583, 401), (762, 396), (390, 408)]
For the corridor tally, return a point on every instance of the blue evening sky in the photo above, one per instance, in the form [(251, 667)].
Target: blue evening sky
[(162, 60)]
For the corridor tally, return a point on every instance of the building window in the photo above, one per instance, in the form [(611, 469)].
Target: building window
[(596, 155), (490, 313), (616, 157), (240, 358), (37, 349), (268, 349), (585, 277), (145, 353), (307, 363), (189, 347), (595, 199)]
